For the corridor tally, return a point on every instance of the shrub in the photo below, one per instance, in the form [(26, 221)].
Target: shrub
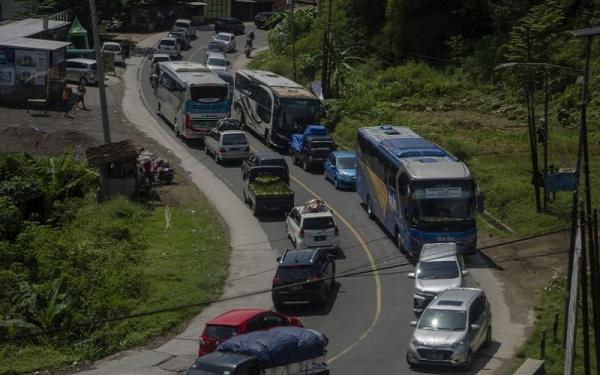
[(10, 219)]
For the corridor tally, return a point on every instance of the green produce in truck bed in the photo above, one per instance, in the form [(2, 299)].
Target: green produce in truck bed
[(270, 185), (266, 189)]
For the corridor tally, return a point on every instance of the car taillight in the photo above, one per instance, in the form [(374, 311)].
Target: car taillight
[(221, 149), (277, 280), (301, 235), (188, 120), (337, 231)]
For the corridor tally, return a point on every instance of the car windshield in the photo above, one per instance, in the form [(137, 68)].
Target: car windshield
[(437, 270), (278, 162), (314, 223), (185, 25), (161, 58), (443, 320), (234, 139), (168, 42), (346, 163), (209, 94), (443, 202), (298, 113), (224, 38), (220, 332), (216, 62), (295, 271), (111, 47)]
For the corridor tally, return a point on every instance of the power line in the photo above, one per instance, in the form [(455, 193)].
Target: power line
[(244, 295)]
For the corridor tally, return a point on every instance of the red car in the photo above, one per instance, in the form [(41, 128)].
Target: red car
[(240, 321)]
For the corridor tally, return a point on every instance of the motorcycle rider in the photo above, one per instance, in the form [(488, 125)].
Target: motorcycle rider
[(250, 39)]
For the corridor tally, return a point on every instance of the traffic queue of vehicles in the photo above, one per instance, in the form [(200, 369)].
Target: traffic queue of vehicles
[(422, 195)]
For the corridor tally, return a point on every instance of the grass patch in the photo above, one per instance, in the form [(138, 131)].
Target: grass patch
[(552, 302), (106, 260)]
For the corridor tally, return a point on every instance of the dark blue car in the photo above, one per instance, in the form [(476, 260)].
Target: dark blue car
[(340, 168)]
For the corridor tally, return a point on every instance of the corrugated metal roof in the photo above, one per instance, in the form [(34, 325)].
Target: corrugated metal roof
[(27, 27), (41, 44)]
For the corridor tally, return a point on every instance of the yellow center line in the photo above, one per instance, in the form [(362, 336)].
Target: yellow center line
[(369, 255)]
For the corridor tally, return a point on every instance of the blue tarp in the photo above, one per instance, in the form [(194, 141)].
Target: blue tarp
[(297, 142), (278, 346)]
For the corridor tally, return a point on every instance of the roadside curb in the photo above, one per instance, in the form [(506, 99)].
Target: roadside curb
[(251, 249)]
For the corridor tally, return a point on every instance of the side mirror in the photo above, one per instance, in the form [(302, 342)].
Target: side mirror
[(411, 275), (413, 323), (479, 200), (465, 272), (475, 327)]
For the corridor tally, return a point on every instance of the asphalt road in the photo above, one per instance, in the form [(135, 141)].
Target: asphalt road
[(367, 319)]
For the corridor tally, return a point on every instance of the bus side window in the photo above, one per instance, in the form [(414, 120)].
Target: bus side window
[(403, 181)]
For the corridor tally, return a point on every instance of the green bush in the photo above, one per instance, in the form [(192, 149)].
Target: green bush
[(10, 219)]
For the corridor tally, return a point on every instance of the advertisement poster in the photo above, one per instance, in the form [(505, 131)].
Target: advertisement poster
[(31, 66), (7, 66)]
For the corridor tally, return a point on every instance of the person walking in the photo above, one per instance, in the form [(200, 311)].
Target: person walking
[(81, 90)]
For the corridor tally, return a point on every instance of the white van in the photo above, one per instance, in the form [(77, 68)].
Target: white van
[(170, 47), (227, 145)]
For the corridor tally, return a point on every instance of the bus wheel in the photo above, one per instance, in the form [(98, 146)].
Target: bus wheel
[(369, 208), (266, 138), (398, 239)]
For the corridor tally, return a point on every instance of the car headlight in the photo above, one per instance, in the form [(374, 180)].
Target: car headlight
[(457, 344), (416, 342)]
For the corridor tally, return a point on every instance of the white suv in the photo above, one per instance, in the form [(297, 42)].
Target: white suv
[(170, 47), (440, 267), (312, 225)]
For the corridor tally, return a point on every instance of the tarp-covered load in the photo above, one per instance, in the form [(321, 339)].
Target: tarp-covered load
[(278, 346), (297, 142)]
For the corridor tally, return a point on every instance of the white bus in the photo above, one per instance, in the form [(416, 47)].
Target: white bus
[(272, 106), (191, 97)]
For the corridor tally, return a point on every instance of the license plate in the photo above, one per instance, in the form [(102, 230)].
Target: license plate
[(320, 238), (298, 287), (234, 149), (436, 356)]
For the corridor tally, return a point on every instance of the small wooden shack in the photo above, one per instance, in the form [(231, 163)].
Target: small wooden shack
[(118, 168)]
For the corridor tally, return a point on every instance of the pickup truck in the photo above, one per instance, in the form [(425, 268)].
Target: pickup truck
[(266, 188), (282, 350), (311, 148)]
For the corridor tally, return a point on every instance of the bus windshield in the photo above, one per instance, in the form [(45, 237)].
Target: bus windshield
[(298, 113), (208, 94), (443, 202)]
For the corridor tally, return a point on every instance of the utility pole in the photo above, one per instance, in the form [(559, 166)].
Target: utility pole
[(545, 135), (293, 39), (100, 68), (326, 51), (532, 130), (584, 295)]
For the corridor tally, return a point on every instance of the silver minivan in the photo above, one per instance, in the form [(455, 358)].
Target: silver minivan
[(227, 145), (440, 267), (82, 71), (452, 329), (169, 46)]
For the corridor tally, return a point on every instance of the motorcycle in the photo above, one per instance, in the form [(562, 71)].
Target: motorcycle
[(164, 172), (248, 51)]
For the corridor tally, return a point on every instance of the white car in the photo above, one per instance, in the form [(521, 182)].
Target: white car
[(227, 39), (216, 61), (440, 267), (312, 225), (83, 71), (170, 47), (114, 49), (227, 145)]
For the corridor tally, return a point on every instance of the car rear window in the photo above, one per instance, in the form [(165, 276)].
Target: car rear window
[(222, 37), (185, 25), (167, 42), (324, 146), (208, 93), (220, 332), (311, 223), (295, 271), (111, 47), (234, 139), (216, 62)]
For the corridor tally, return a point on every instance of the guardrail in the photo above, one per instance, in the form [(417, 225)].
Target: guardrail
[(531, 367)]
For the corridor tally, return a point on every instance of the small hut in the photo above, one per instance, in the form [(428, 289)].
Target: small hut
[(78, 36), (118, 168)]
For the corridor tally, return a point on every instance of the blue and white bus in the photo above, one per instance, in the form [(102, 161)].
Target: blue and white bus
[(417, 190), (191, 97)]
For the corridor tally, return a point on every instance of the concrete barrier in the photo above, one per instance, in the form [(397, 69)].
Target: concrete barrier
[(531, 367)]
